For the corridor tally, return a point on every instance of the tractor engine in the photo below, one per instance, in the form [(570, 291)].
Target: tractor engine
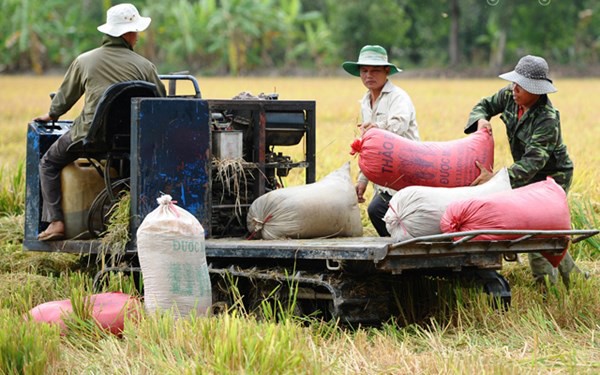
[(251, 139)]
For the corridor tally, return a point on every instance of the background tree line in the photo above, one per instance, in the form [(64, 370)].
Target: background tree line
[(238, 37)]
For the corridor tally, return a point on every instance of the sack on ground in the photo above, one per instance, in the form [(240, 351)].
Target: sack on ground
[(390, 160), (327, 208), (539, 206), (109, 311), (171, 250), (417, 210)]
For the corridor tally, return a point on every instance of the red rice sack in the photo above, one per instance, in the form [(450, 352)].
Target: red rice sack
[(108, 309), (393, 161), (416, 211), (539, 206), (326, 208)]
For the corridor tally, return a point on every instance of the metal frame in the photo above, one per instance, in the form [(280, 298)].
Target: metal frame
[(259, 108), (453, 251)]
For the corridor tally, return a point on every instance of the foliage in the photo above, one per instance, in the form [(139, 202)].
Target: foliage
[(238, 27), (116, 236), (584, 215), (183, 47), (245, 36), (380, 22), (11, 232), (12, 191), (39, 34), (26, 347), (429, 27)]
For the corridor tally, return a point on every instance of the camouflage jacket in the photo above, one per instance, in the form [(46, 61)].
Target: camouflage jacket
[(535, 140)]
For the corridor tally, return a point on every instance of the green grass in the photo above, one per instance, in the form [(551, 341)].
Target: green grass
[(12, 190), (25, 346), (585, 215), (537, 334)]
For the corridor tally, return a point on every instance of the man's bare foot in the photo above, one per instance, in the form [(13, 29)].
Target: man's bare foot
[(55, 231)]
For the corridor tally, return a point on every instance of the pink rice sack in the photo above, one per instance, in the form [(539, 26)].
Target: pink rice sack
[(539, 206), (109, 310), (390, 160)]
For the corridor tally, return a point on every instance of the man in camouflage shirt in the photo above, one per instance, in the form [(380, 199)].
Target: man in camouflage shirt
[(534, 134)]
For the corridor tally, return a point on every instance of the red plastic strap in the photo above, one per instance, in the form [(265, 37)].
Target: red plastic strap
[(173, 208), (356, 146), (251, 235), (399, 221)]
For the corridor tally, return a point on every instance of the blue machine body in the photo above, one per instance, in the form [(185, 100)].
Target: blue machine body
[(170, 154)]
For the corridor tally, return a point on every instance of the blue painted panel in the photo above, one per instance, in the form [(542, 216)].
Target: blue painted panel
[(40, 136), (170, 154)]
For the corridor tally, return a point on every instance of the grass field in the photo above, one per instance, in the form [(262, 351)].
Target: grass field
[(442, 109), (555, 333)]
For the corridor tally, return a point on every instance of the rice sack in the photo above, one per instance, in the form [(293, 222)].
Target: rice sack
[(326, 208), (172, 255), (417, 210), (390, 160), (539, 206), (109, 310)]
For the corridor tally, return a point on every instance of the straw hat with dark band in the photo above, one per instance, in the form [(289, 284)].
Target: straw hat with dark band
[(531, 73)]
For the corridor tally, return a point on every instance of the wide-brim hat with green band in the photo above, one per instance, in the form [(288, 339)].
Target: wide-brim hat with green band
[(371, 55), (531, 73)]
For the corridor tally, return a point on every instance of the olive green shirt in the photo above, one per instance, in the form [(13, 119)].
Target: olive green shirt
[(93, 72), (535, 139)]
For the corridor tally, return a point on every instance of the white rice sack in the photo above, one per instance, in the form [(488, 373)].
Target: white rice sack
[(327, 208), (416, 211), (171, 250)]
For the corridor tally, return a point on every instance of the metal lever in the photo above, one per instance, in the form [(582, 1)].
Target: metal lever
[(333, 265)]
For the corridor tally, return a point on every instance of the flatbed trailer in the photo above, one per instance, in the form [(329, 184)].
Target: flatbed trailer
[(358, 279)]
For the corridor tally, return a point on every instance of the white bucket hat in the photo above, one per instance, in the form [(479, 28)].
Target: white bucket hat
[(123, 18), (531, 73), (371, 55)]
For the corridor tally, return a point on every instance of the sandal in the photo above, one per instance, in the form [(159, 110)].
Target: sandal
[(52, 236)]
